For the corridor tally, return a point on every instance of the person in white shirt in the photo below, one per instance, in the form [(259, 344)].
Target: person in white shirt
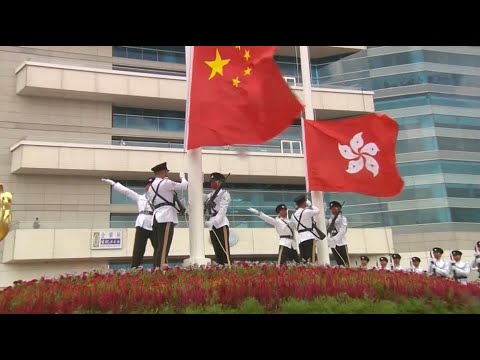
[(396, 262), (336, 232), (459, 269), (303, 221), (476, 259), (218, 223), (364, 262), (287, 250), (415, 265), (383, 263), (437, 266), (143, 224), (162, 196)]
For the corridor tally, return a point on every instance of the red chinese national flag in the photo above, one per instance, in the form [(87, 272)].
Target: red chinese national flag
[(353, 155), (237, 96)]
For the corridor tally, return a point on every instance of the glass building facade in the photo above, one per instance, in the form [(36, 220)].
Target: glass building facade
[(434, 95)]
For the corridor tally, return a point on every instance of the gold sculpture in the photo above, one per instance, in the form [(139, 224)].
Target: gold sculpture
[(5, 212)]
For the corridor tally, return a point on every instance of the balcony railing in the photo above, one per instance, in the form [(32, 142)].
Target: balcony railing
[(279, 146)]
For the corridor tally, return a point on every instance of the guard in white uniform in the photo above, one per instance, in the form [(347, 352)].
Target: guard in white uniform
[(364, 262), (162, 196), (287, 250), (336, 232), (218, 223), (437, 266), (143, 225), (459, 269), (383, 263), (303, 221), (415, 266), (476, 259), (396, 263)]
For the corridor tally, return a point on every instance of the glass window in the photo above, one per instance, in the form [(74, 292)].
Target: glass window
[(416, 145), (420, 168), (439, 166), (465, 215), (455, 100), (451, 58), (119, 51), (150, 55), (415, 122), (289, 66), (396, 59), (401, 102), (458, 144), (134, 53), (123, 220), (170, 54), (357, 203), (141, 122), (461, 167), (148, 119), (437, 120), (119, 121), (463, 190), (170, 144), (457, 122), (406, 217)]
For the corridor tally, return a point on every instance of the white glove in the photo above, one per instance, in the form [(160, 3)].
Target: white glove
[(182, 175), (108, 181), (209, 224), (308, 203), (254, 211)]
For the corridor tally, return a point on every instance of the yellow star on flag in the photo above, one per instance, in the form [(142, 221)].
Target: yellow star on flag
[(217, 65), (247, 55), (247, 71), (235, 82), (237, 47)]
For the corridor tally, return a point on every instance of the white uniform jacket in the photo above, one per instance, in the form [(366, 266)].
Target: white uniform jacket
[(415, 270), (341, 225), (459, 270), (166, 188), (440, 268), (302, 220), (222, 201), (285, 230), (398, 268), (145, 211)]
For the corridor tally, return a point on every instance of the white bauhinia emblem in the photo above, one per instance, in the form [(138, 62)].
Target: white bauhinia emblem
[(360, 156)]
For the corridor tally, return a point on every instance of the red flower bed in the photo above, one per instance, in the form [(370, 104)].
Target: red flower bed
[(177, 288)]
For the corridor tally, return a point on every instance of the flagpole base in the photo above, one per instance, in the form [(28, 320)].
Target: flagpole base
[(200, 261)]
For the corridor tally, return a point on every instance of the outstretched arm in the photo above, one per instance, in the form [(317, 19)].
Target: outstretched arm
[(122, 189)]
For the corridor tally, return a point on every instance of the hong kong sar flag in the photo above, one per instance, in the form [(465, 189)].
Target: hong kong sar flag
[(356, 154)]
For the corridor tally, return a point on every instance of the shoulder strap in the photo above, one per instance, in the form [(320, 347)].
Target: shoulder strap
[(148, 204), (333, 225), (299, 223), (298, 220), (160, 196), (289, 228)]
